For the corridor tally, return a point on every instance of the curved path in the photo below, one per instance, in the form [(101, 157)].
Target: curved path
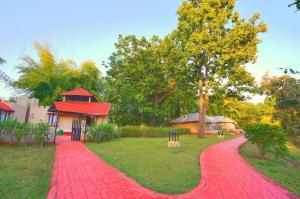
[(79, 173)]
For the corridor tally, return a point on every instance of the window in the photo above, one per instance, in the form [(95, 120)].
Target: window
[(52, 120), (2, 115)]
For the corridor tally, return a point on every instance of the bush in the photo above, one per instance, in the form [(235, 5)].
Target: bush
[(40, 129), (102, 132), (151, 132), (267, 137), (7, 130), (18, 132)]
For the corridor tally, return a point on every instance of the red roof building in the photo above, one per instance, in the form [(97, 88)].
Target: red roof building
[(78, 110), (6, 107), (5, 111)]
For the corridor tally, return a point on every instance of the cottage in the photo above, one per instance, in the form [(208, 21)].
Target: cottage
[(212, 123), (78, 110), (6, 111)]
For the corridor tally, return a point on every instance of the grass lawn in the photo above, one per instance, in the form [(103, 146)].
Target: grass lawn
[(149, 162), (25, 172), (285, 171)]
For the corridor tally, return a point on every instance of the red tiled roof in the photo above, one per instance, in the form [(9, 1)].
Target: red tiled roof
[(90, 108), (79, 91), (6, 107)]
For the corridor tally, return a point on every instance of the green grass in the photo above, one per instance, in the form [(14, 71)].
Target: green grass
[(149, 162), (25, 172), (284, 171)]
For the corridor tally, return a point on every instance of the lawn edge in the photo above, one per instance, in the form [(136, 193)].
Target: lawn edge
[(292, 195)]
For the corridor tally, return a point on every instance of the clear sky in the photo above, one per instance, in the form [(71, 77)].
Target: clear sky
[(82, 30)]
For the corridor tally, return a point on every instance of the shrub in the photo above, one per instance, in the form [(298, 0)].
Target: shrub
[(267, 137), (102, 132), (116, 132), (19, 131), (7, 129), (153, 132), (39, 130), (29, 133)]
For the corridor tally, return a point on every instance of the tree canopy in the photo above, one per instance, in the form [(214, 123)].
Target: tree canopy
[(217, 45), (286, 93), (146, 81), (47, 78)]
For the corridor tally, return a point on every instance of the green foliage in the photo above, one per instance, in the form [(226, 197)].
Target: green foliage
[(18, 132), (153, 81), (243, 112), (7, 129), (47, 78), (151, 132), (40, 129), (103, 132), (267, 138), (116, 133), (286, 93), (217, 44), (147, 82)]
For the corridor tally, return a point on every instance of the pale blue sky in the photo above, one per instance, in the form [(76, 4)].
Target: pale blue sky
[(82, 30)]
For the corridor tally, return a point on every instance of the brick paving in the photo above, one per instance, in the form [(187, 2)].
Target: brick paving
[(79, 174)]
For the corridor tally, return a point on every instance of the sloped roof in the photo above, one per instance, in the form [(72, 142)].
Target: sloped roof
[(77, 92), (194, 117), (6, 107), (90, 108)]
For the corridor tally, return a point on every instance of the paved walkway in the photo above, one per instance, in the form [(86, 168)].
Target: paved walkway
[(79, 173)]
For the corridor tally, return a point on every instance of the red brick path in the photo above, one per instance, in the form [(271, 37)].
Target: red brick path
[(79, 173)]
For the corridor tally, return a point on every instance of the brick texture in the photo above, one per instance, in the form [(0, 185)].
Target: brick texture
[(79, 174)]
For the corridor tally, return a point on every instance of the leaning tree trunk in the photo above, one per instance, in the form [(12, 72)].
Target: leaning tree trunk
[(201, 109)]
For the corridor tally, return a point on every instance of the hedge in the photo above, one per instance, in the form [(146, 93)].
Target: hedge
[(150, 132)]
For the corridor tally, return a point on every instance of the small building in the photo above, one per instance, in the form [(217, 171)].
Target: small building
[(6, 111), (78, 110), (212, 123)]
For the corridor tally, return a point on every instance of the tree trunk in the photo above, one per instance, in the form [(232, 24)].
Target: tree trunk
[(153, 121), (206, 99), (261, 153), (201, 109)]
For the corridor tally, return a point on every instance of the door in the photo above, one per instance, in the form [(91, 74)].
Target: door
[(76, 128)]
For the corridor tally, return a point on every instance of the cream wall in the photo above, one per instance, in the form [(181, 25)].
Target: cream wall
[(102, 119), (38, 114), (193, 126), (65, 122), (227, 126)]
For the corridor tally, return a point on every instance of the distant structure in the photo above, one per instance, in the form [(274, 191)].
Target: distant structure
[(28, 110), (212, 123)]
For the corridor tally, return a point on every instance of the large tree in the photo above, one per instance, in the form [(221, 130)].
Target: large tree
[(146, 81), (47, 78), (217, 43)]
